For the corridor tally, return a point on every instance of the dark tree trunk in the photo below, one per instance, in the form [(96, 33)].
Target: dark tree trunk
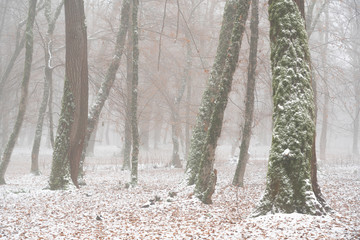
[(289, 182), (250, 97), (5, 160), (71, 131), (134, 121), (206, 179), (48, 78), (205, 111)]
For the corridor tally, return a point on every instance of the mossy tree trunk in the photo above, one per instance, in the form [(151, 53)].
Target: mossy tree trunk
[(5, 160), (250, 97), (206, 180), (69, 143), (48, 78), (134, 121), (288, 185), (108, 82), (205, 111)]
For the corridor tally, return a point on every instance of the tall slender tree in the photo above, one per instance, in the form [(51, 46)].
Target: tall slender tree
[(110, 77), (29, 37), (207, 175), (197, 143), (51, 20), (134, 102), (71, 131), (250, 97), (289, 187)]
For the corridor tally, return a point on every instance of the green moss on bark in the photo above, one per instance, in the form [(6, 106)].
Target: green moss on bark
[(288, 186), (59, 177)]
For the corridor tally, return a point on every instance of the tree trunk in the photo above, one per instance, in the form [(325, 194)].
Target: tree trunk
[(188, 99), (106, 85), (134, 122), (205, 184), (71, 131), (205, 111), (288, 186), (129, 76), (24, 91), (250, 97), (176, 121), (48, 78), (323, 136)]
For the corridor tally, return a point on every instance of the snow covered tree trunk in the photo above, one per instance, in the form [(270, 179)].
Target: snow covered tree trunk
[(71, 131), (108, 82), (250, 97), (134, 121), (206, 179), (289, 187), (203, 118), (5, 160), (48, 78)]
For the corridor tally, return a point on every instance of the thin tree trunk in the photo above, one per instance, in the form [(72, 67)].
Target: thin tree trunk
[(106, 85), (176, 122), (129, 76), (188, 99), (134, 122), (250, 97), (204, 116), (48, 78), (205, 185), (324, 129), (24, 91)]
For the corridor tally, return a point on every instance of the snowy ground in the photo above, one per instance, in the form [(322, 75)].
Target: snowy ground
[(105, 209)]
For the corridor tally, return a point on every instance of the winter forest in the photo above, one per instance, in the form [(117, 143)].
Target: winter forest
[(179, 119)]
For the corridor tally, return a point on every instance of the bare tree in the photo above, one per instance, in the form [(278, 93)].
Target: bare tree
[(5, 160), (51, 20), (250, 97), (71, 131), (134, 100)]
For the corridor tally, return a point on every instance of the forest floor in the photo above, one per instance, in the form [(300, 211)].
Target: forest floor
[(106, 209)]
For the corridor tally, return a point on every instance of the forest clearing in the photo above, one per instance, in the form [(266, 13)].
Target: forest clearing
[(30, 212)]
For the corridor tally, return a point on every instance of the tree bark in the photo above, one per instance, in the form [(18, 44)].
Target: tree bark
[(48, 78), (71, 131), (5, 160), (205, 111), (289, 184), (207, 175), (250, 97), (134, 122)]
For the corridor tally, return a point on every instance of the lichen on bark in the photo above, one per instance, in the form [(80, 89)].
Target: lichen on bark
[(60, 169), (288, 187)]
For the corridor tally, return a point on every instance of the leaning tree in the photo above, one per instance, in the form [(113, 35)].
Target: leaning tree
[(288, 186)]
